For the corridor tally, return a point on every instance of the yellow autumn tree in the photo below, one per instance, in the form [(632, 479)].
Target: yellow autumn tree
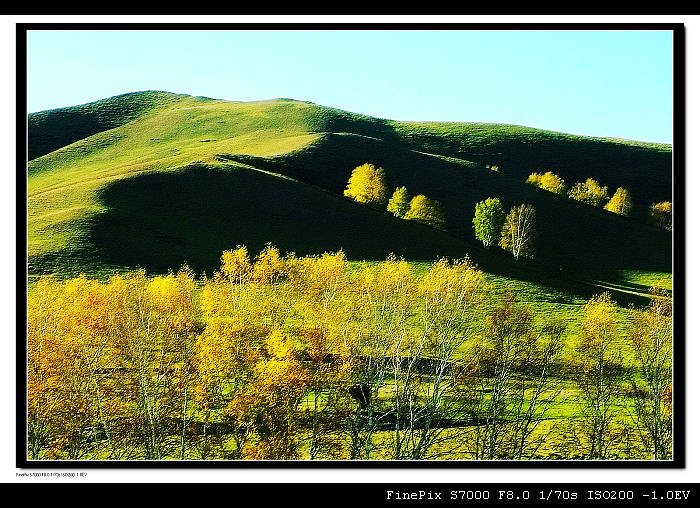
[(49, 356), (269, 406), (597, 365), (233, 289), (67, 333), (321, 284), (152, 346), (384, 295), (589, 192), (620, 203), (548, 181), (225, 354), (426, 210), (269, 266), (367, 185), (240, 304), (172, 297), (236, 265), (322, 280)]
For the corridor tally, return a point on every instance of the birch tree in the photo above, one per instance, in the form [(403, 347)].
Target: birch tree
[(597, 365), (651, 335), (518, 235)]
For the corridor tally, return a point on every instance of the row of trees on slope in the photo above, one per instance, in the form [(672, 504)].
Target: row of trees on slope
[(367, 185), (589, 192), (594, 194), (291, 358)]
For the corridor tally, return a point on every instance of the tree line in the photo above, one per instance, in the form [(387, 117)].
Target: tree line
[(593, 193), (284, 357), (367, 185)]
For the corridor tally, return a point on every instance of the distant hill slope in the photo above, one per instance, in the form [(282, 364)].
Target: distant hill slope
[(52, 129), (642, 168), (164, 178)]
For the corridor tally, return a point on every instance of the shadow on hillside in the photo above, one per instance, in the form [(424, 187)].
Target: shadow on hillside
[(574, 240), (159, 221)]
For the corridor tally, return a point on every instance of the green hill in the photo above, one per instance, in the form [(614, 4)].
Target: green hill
[(159, 179), (52, 129)]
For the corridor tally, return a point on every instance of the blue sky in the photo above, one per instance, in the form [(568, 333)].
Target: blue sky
[(597, 83)]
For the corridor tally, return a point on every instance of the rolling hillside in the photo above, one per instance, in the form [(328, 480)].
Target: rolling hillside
[(153, 179)]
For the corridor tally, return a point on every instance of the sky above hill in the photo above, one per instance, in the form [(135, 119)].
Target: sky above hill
[(616, 83)]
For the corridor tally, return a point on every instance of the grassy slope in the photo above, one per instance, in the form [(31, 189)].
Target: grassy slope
[(642, 168), (219, 208), (55, 128), (572, 237), (121, 198), (64, 185)]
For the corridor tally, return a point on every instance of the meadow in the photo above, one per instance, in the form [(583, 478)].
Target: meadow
[(330, 329)]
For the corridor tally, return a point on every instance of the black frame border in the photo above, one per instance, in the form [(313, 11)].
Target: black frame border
[(678, 239)]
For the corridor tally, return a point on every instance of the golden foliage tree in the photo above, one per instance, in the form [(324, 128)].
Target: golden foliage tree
[(329, 404), (153, 341), (651, 335), (65, 333), (236, 265), (323, 283), (426, 210), (597, 364), (548, 181), (240, 305), (269, 266), (367, 185), (268, 406), (172, 297), (384, 296), (590, 192), (620, 203)]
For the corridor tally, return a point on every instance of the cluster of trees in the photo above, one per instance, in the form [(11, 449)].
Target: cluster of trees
[(548, 181), (589, 192), (594, 194), (290, 358), (514, 232), (598, 367), (367, 185)]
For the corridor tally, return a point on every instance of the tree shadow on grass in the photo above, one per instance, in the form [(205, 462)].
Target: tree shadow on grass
[(159, 221)]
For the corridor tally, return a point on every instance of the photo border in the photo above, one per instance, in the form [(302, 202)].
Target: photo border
[(678, 247)]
